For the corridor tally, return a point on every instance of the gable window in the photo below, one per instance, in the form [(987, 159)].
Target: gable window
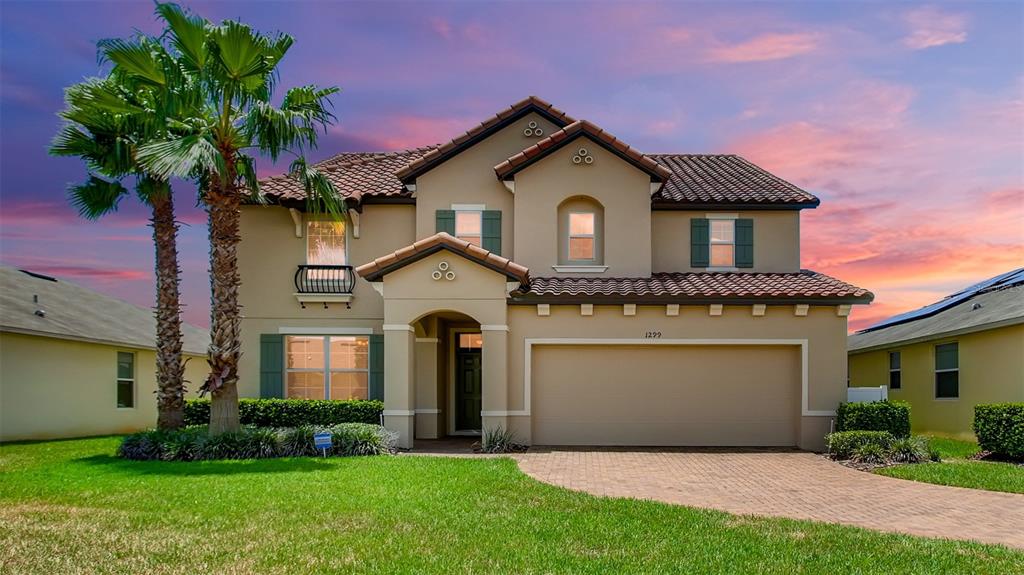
[(723, 243), (125, 379), (469, 226), (895, 372), (581, 236), (327, 367), (947, 371)]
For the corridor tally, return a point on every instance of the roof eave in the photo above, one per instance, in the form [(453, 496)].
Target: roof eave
[(614, 299), (669, 205)]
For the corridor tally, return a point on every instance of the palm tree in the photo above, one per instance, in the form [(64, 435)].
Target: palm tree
[(107, 120), (236, 69)]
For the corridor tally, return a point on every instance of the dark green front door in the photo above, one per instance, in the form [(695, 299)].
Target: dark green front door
[(467, 389)]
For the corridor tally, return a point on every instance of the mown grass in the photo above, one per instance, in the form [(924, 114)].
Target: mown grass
[(957, 470), (71, 507)]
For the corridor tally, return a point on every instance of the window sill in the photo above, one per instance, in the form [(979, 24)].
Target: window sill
[(722, 269), (323, 298), (580, 269)]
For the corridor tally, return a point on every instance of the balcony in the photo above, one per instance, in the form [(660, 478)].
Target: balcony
[(324, 284)]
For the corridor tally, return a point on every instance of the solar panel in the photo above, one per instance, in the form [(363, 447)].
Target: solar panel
[(1003, 280)]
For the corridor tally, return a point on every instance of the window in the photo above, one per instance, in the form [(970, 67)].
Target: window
[(581, 236), (947, 371), (894, 370), (469, 226), (325, 243), (471, 341), (723, 243), (327, 367), (125, 379)]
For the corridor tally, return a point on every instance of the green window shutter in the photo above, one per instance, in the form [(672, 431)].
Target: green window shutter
[(492, 231), (446, 221), (745, 243), (377, 367), (700, 241), (271, 365)]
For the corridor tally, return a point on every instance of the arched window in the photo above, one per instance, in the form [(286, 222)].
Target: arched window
[(580, 232)]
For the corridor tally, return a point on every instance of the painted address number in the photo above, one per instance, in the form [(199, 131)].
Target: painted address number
[(652, 334)]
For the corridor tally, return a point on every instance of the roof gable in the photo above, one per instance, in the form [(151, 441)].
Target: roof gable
[(444, 152), (378, 268), (582, 128)]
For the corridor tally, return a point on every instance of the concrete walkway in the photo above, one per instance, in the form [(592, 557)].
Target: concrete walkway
[(791, 484)]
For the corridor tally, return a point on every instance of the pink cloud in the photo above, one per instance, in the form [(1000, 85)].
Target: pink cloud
[(765, 47), (930, 27)]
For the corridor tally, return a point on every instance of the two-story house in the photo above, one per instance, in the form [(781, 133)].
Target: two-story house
[(538, 274)]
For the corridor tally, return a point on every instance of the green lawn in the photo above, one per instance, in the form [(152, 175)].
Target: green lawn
[(71, 507), (956, 469)]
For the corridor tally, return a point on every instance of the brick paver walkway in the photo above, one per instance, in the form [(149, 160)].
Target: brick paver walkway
[(792, 484)]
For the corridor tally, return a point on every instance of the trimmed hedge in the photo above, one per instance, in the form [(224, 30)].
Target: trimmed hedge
[(845, 444), (196, 444), (291, 412), (891, 416), (1000, 428)]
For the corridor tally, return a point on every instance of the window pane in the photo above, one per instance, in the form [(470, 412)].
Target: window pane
[(581, 248), (125, 365), (125, 394), (894, 380), (350, 352), (305, 385), (325, 243), (947, 384), (946, 356), (349, 385), (471, 340), (894, 360), (721, 255), (304, 352), (468, 224), (581, 224), (721, 230)]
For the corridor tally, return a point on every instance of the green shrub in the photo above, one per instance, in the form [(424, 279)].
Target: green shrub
[(891, 416), (291, 412), (362, 439), (1000, 428), (912, 450), (871, 453), (501, 440), (843, 444), (298, 441)]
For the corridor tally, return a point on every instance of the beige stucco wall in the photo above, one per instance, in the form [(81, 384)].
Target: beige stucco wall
[(468, 178), (822, 327), (267, 260), (991, 371), (776, 240), (52, 388), (623, 190)]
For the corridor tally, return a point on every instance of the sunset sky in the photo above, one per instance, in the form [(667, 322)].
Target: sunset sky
[(907, 120)]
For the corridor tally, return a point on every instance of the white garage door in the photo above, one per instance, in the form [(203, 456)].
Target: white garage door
[(720, 395)]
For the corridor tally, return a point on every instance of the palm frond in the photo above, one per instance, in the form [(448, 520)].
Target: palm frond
[(321, 195), (134, 58), (149, 187), (96, 197), (182, 157), (245, 168), (99, 96), (240, 52), (188, 34)]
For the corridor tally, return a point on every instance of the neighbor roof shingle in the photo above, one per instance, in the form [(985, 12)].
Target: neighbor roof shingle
[(723, 179), (799, 287), (381, 266)]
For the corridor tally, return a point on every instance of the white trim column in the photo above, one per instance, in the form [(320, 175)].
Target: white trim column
[(399, 390), (495, 377)]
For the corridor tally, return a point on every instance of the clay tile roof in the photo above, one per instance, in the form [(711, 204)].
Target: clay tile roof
[(355, 175), (382, 266), (697, 287), (562, 137), (445, 151), (709, 179)]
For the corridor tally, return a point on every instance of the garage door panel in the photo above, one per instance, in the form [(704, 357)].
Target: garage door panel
[(665, 395)]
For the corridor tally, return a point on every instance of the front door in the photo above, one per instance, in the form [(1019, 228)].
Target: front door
[(468, 384)]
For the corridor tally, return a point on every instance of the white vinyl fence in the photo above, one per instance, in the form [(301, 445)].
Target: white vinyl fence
[(866, 394)]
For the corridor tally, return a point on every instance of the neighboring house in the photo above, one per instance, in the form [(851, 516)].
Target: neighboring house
[(539, 275), (949, 356), (74, 362)]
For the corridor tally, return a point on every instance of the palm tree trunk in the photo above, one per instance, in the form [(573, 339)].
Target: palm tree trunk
[(170, 371), (225, 324)]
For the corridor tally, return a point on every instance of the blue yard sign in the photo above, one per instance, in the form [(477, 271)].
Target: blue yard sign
[(322, 441)]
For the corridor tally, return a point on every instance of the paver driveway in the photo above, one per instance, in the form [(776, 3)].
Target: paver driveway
[(792, 484)]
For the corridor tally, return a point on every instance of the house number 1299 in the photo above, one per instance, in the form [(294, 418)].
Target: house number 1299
[(652, 334)]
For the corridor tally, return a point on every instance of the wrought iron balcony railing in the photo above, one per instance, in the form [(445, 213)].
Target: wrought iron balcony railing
[(323, 279)]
